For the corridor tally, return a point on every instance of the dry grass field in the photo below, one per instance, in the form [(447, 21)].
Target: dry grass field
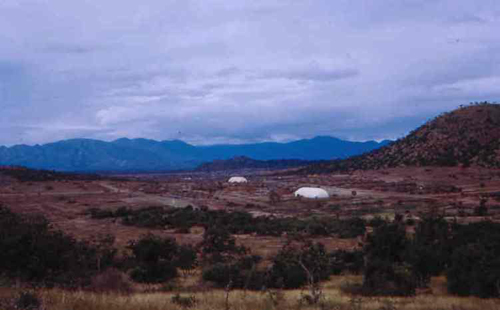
[(216, 299)]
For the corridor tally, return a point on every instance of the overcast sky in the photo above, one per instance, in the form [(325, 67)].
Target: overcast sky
[(231, 71)]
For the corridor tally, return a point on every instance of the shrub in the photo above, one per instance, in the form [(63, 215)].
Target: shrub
[(154, 259), (31, 250), (346, 261), (187, 258), (184, 302), (429, 251), (386, 271), (218, 246), (111, 281), (295, 263), (153, 273), (474, 270), (242, 274), (28, 301), (376, 221)]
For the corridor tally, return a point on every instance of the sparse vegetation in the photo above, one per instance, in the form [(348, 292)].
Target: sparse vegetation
[(238, 222), (467, 136)]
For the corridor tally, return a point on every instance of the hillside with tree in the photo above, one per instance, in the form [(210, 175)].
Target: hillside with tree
[(466, 136)]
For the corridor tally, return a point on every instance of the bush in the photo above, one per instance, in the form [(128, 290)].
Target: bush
[(386, 271), (474, 270), (294, 263), (388, 278), (242, 274), (154, 259), (346, 261), (218, 246), (28, 301), (429, 251), (111, 281), (153, 273), (187, 258), (31, 251), (377, 221)]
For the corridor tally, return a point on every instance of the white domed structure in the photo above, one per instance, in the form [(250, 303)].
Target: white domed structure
[(311, 193), (238, 180)]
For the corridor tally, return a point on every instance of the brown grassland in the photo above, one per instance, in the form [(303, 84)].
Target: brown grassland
[(452, 192), (216, 299)]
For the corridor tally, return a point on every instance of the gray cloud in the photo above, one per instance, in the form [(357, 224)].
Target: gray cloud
[(234, 71)]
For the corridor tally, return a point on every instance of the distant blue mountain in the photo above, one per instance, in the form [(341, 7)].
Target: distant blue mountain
[(150, 155)]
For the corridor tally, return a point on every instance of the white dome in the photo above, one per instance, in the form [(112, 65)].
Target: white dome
[(237, 180), (311, 192)]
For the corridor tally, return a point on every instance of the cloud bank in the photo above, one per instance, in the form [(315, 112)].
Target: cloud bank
[(213, 71)]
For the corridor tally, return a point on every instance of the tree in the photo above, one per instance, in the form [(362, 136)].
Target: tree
[(474, 270), (430, 249), (386, 270), (299, 263), (218, 246), (155, 259), (474, 267), (187, 258)]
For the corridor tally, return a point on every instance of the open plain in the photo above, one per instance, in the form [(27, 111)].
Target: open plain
[(451, 192)]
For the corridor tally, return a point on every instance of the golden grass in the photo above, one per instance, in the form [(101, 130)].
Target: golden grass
[(333, 299)]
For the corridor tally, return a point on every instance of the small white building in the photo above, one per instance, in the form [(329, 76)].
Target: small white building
[(238, 180), (311, 193)]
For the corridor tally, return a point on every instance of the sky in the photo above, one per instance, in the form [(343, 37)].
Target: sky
[(220, 71)]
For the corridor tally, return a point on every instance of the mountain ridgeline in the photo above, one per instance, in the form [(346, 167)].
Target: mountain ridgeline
[(150, 155), (467, 136)]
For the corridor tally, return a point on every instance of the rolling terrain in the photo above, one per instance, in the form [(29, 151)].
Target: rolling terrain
[(467, 136)]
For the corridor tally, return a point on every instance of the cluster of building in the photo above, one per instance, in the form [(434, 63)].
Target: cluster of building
[(303, 192)]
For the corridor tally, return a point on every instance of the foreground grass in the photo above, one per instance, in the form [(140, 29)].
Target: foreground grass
[(333, 299)]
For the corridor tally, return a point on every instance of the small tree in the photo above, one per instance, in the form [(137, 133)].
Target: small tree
[(298, 264), (474, 270), (386, 271), (155, 259), (218, 246), (187, 258)]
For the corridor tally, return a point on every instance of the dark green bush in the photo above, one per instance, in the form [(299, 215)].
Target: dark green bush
[(153, 272), (154, 259), (31, 250), (296, 263), (242, 274), (27, 301), (386, 271), (346, 261), (474, 267)]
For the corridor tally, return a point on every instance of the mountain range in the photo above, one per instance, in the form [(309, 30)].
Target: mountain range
[(468, 136), (150, 155)]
